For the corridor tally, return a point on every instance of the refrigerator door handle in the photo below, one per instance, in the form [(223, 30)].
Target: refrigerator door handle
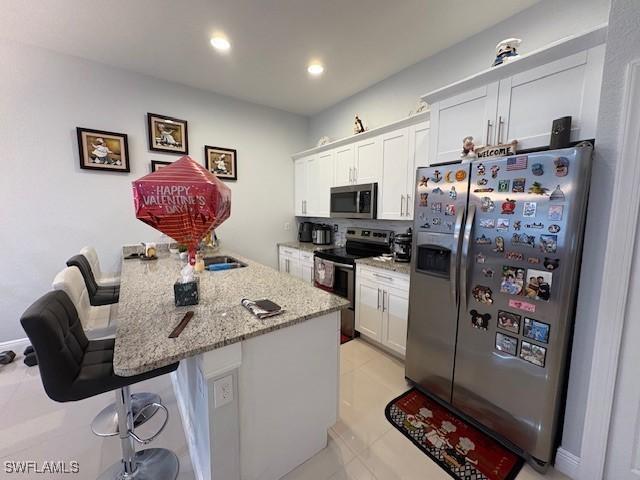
[(453, 266), (464, 265)]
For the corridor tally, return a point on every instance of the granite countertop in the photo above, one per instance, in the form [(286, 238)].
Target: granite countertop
[(305, 246), (147, 314), (392, 265)]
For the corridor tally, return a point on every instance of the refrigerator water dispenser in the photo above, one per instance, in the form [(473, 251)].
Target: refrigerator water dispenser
[(433, 260)]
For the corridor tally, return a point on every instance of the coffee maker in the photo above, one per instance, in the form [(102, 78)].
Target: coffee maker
[(402, 246)]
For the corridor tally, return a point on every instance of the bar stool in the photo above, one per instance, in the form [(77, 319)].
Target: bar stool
[(103, 279), (98, 295), (73, 368)]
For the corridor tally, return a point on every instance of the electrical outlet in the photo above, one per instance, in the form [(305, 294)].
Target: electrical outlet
[(223, 391), (287, 226)]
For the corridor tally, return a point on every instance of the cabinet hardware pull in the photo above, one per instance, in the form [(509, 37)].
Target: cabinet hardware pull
[(489, 125), (500, 124), (378, 307), (383, 276), (355, 175), (407, 210), (383, 295), (401, 205)]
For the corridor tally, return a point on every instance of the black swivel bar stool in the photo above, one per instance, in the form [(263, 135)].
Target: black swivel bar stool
[(73, 368), (98, 294)]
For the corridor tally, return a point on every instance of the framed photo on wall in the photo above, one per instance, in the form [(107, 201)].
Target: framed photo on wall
[(223, 162), (101, 150), (158, 164), (167, 134)]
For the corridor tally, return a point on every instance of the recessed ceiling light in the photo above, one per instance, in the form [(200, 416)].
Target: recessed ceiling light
[(315, 68), (220, 43)]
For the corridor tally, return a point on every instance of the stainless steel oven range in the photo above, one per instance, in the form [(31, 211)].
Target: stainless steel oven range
[(360, 243)]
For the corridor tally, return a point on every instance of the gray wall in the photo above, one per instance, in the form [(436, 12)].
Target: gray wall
[(393, 98), (50, 208)]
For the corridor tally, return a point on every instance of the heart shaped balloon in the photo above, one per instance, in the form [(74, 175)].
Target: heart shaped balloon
[(182, 200)]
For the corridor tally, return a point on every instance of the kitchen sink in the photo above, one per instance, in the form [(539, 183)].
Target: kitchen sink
[(223, 259)]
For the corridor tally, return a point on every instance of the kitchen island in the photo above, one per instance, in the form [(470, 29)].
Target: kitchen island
[(256, 396)]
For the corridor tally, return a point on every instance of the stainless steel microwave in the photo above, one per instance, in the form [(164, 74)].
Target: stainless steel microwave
[(355, 201)]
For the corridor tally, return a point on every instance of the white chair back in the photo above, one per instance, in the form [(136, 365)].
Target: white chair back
[(71, 282), (91, 255)]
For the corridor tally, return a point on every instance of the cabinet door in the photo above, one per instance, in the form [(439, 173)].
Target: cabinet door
[(300, 186), (319, 180), (531, 100), (306, 272), (343, 161), (392, 191), (395, 317), (369, 310), (471, 113), (418, 157), (368, 160), (282, 263)]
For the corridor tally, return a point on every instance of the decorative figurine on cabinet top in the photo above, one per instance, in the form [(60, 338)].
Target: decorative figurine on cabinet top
[(358, 126), (468, 149), (506, 50)]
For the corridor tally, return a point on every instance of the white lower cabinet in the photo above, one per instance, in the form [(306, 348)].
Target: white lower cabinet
[(296, 262), (382, 307)]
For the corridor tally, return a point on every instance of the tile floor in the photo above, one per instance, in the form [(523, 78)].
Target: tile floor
[(362, 444)]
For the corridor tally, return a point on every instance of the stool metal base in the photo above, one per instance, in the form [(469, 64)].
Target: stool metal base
[(105, 424), (151, 464)]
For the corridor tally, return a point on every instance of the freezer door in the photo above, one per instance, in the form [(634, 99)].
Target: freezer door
[(440, 200), (521, 256)]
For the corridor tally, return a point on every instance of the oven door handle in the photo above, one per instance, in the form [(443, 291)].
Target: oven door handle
[(336, 264)]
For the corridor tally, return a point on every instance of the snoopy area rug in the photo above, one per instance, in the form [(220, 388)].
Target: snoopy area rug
[(461, 450)]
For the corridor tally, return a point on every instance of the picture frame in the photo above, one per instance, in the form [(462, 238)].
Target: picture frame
[(536, 330), (506, 344), (509, 321), (167, 134), (158, 164), (222, 162), (103, 150), (532, 353)]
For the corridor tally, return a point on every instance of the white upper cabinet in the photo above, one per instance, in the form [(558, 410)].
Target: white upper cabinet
[(368, 160), (418, 157), (300, 185), (470, 113), (531, 100), (319, 181), (392, 193), (344, 164)]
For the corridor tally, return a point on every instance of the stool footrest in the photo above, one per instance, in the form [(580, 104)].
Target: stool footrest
[(105, 424), (151, 464)]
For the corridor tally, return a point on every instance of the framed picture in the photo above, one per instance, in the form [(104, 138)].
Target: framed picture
[(100, 150), (223, 162), (506, 344), (532, 353), (536, 330), (167, 134), (158, 164), (509, 321)]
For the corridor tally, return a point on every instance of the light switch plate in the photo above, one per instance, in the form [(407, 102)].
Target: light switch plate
[(223, 391)]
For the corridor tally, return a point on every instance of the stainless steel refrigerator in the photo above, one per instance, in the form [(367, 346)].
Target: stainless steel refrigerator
[(496, 258)]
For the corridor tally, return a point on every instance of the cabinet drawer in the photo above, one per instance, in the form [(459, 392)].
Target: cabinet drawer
[(384, 277), (290, 252), (306, 257)]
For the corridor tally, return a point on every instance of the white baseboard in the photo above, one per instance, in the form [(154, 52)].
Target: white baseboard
[(567, 463), (18, 345)]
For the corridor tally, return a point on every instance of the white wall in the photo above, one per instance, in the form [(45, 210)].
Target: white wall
[(393, 98), (50, 208)]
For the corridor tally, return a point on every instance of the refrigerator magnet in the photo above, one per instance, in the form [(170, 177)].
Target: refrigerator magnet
[(533, 260), (437, 191), (436, 221), (424, 200), (555, 212), (450, 210), (537, 169), (488, 272), (536, 188), (482, 294), (436, 207), (506, 344), (555, 228), (561, 165), (514, 256), (518, 185), (551, 263), (557, 195), (483, 240), (535, 330), (539, 284), (503, 224), (480, 170), (448, 178), (503, 185), (517, 163), (535, 225), (480, 320), (480, 258), (483, 190), (426, 226), (532, 353), (508, 207), (452, 193), (548, 243), (494, 171), (436, 177), (517, 224), (512, 280), (488, 223), (482, 181), (423, 184), (487, 205), (461, 175), (509, 321), (450, 226), (524, 306), (523, 239), (529, 209), (499, 248)]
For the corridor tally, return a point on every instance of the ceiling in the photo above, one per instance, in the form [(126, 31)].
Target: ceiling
[(360, 42)]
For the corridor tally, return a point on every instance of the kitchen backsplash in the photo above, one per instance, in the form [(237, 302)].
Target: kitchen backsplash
[(397, 226)]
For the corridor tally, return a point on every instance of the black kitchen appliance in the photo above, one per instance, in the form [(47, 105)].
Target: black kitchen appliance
[(560, 133), (402, 246), (361, 242), (305, 232), (321, 234)]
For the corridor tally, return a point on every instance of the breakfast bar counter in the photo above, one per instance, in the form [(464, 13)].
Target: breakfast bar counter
[(256, 397)]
